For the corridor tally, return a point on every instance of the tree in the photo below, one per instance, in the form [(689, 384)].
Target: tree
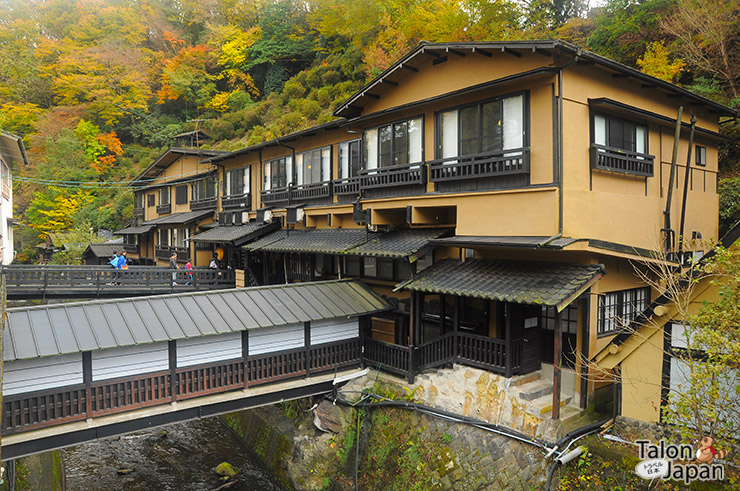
[(656, 62)]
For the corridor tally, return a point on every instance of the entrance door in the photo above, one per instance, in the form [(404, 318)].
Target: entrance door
[(525, 327)]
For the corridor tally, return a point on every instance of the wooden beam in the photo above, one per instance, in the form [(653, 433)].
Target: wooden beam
[(511, 52), (557, 360), (507, 339), (585, 62), (619, 75), (374, 96), (431, 53), (410, 68), (482, 52), (389, 82), (673, 96), (439, 60), (541, 52), (647, 86), (456, 52)]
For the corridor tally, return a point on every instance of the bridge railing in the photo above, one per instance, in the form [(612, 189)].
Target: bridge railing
[(25, 281)]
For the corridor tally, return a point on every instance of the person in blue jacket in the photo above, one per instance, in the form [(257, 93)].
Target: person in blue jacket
[(114, 262)]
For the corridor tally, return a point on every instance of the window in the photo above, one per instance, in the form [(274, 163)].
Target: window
[(352, 266), (278, 173), (313, 166), (6, 180), (179, 237), (236, 182), (163, 237), (701, 155), (150, 199), (482, 128), (569, 318), (164, 195), (204, 188), (398, 143), (139, 200), (181, 195), (614, 132), (618, 309), (370, 266), (349, 159)]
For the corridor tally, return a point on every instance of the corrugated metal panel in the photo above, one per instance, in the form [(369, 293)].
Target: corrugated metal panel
[(209, 349), (129, 360), (86, 326), (22, 376), (330, 330), (270, 340)]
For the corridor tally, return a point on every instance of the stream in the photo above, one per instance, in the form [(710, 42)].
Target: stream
[(178, 457)]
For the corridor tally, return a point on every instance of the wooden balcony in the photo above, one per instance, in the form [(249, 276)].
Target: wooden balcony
[(622, 161), (243, 201), (482, 165), (132, 248), (277, 195), (164, 252), (348, 186), (397, 180), (164, 208), (313, 194), (204, 203), (138, 212)]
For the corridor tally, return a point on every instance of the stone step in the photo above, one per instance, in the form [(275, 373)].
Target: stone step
[(519, 380), (535, 390), (542, 406)]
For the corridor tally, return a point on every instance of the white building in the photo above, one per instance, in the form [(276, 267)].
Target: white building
[(11, 150)]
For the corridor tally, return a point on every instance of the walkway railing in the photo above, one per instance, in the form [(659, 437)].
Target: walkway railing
[(57, 281)]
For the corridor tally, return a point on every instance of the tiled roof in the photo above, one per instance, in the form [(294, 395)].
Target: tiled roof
[(326, 241), (103, 250), (73, 327), (141, 229), (534, 283), (505, 241), (180, 218), (237, 234), (398, 243)]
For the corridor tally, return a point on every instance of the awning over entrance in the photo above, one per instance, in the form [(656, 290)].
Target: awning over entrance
[(236, 234), (399, 243), (141, 229), (533, 283), (323, 241), (70, 328)]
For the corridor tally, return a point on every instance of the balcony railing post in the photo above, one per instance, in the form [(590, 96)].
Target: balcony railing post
[(507, 345), (245, 357), (172, 356), (307, 345)]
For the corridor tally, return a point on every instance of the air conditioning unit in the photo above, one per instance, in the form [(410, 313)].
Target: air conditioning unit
[(267, 217), (372, 228)]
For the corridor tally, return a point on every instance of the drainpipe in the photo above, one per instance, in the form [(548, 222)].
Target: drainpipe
[(686, 183), (560, 139), (667, 212)]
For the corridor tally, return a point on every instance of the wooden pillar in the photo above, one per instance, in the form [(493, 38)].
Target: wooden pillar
[(414, 326), (307, 345), (456, 326), (442, 313), (507, 339), (87, 380), (172, 353), (585, 308), (557, 358), (245, 356)]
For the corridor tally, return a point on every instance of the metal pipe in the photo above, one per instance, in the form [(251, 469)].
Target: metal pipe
[(667, 212), (686, 183)]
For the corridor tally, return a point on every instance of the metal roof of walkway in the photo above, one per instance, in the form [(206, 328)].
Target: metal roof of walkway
[(73, 327)]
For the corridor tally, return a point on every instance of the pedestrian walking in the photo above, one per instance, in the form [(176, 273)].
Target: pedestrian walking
[(174, 266)]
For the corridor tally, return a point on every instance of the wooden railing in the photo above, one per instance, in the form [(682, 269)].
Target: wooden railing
[(164, 208), (396, 175), (132, 248), (30, 411), (139, 212), (346, 186), (275, 195), (392, 357), (243, 201), (204, 203), (297, 193), (96, 281), (491, 164), (436, 352), (164, 252), (618, 160), (482, 351)]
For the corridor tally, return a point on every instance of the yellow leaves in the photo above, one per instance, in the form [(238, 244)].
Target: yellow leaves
[(19, 118), (219, 102), (54, 209), (656, 62)]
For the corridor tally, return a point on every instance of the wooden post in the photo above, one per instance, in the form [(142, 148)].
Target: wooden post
[(245, 357), (585, 307), (172, 353), (413, 327), (557, 358), (307, 345), (87, 380), (456, 326), (507, 340), (442, 313)]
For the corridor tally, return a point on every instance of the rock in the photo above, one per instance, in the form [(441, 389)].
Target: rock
[(225, 469), (328, 417), (163, 434), (124, 471)]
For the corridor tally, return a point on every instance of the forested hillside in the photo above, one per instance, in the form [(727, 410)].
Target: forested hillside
[(97, 88)]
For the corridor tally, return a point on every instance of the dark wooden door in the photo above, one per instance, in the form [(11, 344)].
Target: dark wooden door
[(525, 327)]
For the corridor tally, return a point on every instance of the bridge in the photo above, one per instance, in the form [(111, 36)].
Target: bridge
[(60, 281), (80, 371)]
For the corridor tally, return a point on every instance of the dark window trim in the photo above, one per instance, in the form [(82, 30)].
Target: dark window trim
[(151, 200), (247, 171), (636, 122), (421, 116), (165, 192), (701, 157), (272, 161), (600, 316), (438, 126), (361, 156), (179, 200), (319, 149)]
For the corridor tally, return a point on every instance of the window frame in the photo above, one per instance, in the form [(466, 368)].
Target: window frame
[(526, 123), (179, 200), (618, 318), (299, 176), (151, 200), (360, 160), (196, 188), (366, 154), (165, 193), (607, 133), (269, 176), (228, 178), (701, 155)]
